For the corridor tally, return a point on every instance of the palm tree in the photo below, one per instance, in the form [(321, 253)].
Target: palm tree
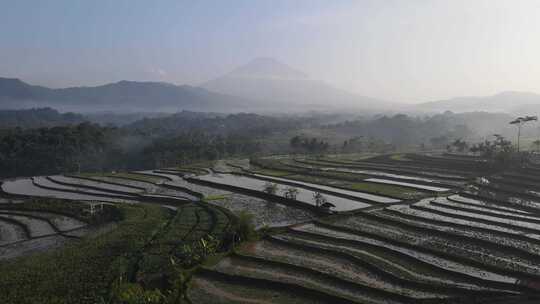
[(520, 121)]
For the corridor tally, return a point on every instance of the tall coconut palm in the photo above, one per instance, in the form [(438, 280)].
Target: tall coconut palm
[(520, 121)]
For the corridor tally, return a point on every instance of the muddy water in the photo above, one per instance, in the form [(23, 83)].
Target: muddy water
[(10, 233), (37, 227), (63, 223), (168, 176)]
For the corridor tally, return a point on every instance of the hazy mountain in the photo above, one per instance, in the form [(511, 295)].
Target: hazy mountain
[(510, 102), (120, 96), (269, 82), (262, 85)]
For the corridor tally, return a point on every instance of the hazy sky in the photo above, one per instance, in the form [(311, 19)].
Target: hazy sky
[(407, 51)]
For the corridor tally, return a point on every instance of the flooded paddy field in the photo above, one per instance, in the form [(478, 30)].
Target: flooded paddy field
[(402, 229)]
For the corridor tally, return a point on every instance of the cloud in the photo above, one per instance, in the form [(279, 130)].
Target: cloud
[(157, 71)]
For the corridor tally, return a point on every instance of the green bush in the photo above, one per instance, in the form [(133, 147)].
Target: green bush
[(245, 229)]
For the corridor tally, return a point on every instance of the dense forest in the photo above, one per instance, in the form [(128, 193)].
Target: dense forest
[(36, 118), (436, 131), (178, 139), (43, 141)]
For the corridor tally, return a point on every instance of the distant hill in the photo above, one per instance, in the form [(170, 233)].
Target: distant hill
[(120, 96), (269, 83), (262, 85), (509, 102), (37, 118)]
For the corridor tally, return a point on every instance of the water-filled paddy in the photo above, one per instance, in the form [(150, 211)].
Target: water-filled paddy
[(360, 195), (304, 195)]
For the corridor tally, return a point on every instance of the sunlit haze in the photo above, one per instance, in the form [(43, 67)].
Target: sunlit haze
[(403, 51)]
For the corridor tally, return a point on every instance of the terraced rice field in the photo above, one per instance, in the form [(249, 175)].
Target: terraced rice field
[(30, 188), (356, 194), (26, 229), (406, 184), (452, 248), (305, 195), (445, 244)]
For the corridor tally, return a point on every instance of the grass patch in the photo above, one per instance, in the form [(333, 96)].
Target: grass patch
[(400, 157), (135, 176), (272, 172), (396, 191), (213, 260), (215, 197), (375, 188), (90, 174), (319, 180), (191, 170)]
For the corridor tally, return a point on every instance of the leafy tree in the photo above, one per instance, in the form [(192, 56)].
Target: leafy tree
[(244, 226), (500, 151), (460, 145), (536, 144), (291, 193), (319, 199), (270, 188), (310, 145), (295, 142)]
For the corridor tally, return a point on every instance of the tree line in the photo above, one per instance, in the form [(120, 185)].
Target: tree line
[(90, 148)]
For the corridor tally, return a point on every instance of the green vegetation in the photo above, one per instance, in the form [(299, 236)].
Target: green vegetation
[(81, 272), (215, 197), (308, 145), (500, 152), (186, 138), (135, 176), (346, 180), (390, 190), (270, 188), (179, 139), (126, 175), (271, 172), (163, 256), (37, 118), (399, 157), (290, 192), (147, 259), (244, 226), (395, 191)]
